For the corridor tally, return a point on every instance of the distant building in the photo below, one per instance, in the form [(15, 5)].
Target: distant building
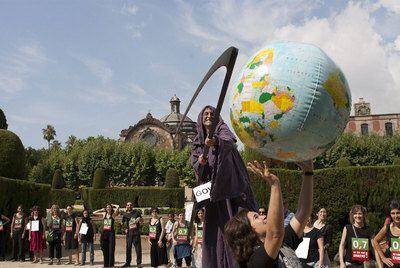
[(161, 132), (364, 123)]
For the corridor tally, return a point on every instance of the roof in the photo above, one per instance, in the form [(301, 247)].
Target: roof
[(174, 117)]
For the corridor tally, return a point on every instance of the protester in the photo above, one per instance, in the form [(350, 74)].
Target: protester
[(169, 226), (17, 230), (389, 234), (54, 234), (181, 238), (198, 237), (132, 219), (355, 246), (70, 235), (86, 232), (326, 230), (25, 236), (256, 240), (262, 211), (107, 239), (3, 221), (315, 240), (231, 190), (157, 240), (37, 234)]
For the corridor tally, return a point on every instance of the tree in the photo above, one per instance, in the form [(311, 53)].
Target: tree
[(49, 134), (58, 182), (99, 179), (70, 142), (3, 120), (172, 178), (56, 145)]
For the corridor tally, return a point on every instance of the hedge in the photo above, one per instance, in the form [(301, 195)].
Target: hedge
[(145, 196), (338, 189), (15, 192)]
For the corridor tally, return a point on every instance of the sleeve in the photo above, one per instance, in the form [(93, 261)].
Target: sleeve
[(328, 235), (260, 258), (124, 218), (291, 239)]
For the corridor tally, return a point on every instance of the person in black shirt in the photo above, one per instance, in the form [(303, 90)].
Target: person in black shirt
[(355, 246), (315, 254), (131, 220), (256, 241)]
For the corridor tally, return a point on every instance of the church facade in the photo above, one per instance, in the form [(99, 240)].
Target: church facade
[(161, 133), (364, 123)]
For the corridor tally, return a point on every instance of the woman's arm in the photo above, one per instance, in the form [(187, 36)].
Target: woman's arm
[(99, 212), (378, 257), (194, 242), (321, 251), (304, 206), (12, 226), (5, 219), (174, 228), (342, 248), (116, 212), (274, 227), (78, 228), (162, 232)]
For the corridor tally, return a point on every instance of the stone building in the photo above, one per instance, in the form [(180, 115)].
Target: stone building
[(364, 123), (161, 132)]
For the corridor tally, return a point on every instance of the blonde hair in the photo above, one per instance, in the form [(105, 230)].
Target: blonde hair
[(354, 210), (55, 210)]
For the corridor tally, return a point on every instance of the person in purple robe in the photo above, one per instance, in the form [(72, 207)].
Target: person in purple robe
[(230, 186)]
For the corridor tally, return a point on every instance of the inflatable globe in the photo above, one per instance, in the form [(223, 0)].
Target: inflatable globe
[(290, 102)]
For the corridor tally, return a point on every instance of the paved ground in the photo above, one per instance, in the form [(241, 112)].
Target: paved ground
[(98, 256)]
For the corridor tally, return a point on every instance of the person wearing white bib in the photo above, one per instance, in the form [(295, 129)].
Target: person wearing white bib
[(86, 232)]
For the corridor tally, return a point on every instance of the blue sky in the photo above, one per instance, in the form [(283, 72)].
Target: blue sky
[(96, 67)]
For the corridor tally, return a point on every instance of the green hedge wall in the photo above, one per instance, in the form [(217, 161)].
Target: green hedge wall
[(338, 189), (15, 192), (146, 196)]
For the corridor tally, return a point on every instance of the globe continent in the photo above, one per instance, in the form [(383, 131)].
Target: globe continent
[(290, 102)]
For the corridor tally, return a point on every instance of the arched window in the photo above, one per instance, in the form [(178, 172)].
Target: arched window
[(389, 129), (364, 129)]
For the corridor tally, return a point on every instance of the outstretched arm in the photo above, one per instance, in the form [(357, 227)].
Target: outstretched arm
[(305, 203), (274, 226)]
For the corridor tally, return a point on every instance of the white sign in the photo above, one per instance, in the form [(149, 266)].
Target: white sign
[(35, 226), (188, 211), (302, 249), (84, 228), (202, 192)]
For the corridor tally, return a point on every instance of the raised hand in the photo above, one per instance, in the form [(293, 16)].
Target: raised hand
[(262, 170)]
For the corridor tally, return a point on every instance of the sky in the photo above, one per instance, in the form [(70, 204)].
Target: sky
[(94, 68)]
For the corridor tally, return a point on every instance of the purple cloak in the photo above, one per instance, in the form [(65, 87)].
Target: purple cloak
[(230, 190)]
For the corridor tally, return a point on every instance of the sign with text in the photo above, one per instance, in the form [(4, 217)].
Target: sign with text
[(395, 250), (360, 249), (202, 192)]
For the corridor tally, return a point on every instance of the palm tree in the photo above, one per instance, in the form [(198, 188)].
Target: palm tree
[(48, 134), (70, 142)]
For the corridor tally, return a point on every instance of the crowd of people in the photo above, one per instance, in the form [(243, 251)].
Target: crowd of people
[(171, 242)]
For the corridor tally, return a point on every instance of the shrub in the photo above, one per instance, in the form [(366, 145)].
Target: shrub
[(12, 155), (3, 120), (62, 197), (99, 179), (172, 178), (338, 189), (146, 196), (396, 161), (343, 162), (58, 182)]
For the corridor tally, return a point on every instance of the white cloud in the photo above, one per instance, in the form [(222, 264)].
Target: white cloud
[(129, 8), (136, 89), (135, 30), (348, 35), (107, 96), (98, 68), (16, 68), (392, 5)]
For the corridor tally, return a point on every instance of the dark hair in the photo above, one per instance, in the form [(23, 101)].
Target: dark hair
[(154, 209), (240, 236), (112, 208), (171, 213), (394, 205), (196, 218)]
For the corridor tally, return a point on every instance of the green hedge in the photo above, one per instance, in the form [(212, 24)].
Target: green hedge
[(15, 192), (143, 196), (338, 189)]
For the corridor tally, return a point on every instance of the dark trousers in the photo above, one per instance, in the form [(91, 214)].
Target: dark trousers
[(18, 245), (135, 240), (3, 241), (108, 247), (55, 245)]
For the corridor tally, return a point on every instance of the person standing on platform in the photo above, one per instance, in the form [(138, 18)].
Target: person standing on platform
[(230, 190), (132, 220)]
